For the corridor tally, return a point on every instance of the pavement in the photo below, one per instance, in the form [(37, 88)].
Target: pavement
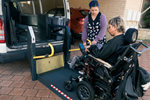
[(16, 82)]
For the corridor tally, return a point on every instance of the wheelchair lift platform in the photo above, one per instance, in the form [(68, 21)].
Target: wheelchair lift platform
[(52, 71), (54, 81)]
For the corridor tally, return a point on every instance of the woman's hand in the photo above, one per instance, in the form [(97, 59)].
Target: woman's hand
[(94, 42), (84, 44)]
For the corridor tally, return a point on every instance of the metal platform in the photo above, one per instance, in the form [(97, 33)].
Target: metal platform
[(54, 81)]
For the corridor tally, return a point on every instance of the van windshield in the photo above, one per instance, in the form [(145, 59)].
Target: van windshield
[(84, 13)]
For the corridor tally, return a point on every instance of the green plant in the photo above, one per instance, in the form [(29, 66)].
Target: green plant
[(147, 18), (147, 15)]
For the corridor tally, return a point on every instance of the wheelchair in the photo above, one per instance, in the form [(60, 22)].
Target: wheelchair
[(101, 79)]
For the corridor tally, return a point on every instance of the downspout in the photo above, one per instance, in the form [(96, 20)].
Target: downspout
[(124, 18), (141, 14), (145, 10)]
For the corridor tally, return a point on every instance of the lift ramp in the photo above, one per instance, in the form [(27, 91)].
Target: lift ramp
[(54, 81), (53, 71)]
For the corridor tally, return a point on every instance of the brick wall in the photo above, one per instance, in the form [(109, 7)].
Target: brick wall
[(144, 34), (79, 3), (134, 5), (112, 8)]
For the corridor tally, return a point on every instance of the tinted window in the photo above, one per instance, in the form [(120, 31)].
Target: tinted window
[(52, 12), (26, 7), (84, 13), (60, 12)]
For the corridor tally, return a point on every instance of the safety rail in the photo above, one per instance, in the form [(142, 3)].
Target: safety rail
[(45, 56), (79, 48)]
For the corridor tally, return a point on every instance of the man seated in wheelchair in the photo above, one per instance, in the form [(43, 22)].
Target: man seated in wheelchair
[(117, 30), (105, 68)]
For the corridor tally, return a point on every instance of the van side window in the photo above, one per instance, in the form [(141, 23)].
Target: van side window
[(60, 12), (26, 7)]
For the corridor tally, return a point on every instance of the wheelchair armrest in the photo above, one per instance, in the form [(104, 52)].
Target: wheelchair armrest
[(102, 62)]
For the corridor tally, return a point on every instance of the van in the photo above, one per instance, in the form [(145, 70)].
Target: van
[(16, 13)]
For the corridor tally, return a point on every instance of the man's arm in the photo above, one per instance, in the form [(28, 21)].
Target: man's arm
[(109, 48), (103, 53)]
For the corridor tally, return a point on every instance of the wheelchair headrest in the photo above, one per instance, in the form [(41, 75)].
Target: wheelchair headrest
[(130, 36)]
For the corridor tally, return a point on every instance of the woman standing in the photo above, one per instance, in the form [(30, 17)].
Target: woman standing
[(95, 25)]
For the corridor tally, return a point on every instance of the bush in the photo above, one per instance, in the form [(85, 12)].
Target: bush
[(147, 18), (147, 15)]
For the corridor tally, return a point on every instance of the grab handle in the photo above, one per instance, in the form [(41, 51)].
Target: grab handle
[(44, 56), (79, 48), (141, 50)]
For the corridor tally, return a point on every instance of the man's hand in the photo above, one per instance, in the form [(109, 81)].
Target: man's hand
[(84, 44), (86, 48), (94, 42)]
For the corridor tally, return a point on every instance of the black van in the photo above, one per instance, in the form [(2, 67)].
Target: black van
[(17, 13)]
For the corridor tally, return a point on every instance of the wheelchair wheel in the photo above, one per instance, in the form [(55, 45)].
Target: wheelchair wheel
[(68, 85), (85, 91)]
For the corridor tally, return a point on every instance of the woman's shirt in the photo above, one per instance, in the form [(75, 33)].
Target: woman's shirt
[(101, 32)]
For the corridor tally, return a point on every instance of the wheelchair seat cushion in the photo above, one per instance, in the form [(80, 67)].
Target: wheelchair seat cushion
[(102, 62)]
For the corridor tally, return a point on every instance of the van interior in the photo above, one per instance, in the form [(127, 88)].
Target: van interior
[(32, 13)]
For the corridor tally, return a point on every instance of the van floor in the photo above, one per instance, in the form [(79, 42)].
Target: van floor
[(42, 44)]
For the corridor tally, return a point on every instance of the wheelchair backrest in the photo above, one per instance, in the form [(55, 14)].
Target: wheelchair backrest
[(129, 38), (116, 59)]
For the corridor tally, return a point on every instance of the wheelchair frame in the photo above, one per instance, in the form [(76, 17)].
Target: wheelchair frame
[(104, 85)]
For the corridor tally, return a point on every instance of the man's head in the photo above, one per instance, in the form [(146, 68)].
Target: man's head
[(94, 7), (116, 26)]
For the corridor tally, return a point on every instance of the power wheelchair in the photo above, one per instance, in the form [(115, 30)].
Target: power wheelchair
[(101, 79)]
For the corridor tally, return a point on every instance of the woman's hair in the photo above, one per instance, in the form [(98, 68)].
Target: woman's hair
[(94, 3), (118, 21)]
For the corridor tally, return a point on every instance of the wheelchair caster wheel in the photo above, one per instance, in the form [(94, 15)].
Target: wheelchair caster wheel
[(68, 85), (85, 91)]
